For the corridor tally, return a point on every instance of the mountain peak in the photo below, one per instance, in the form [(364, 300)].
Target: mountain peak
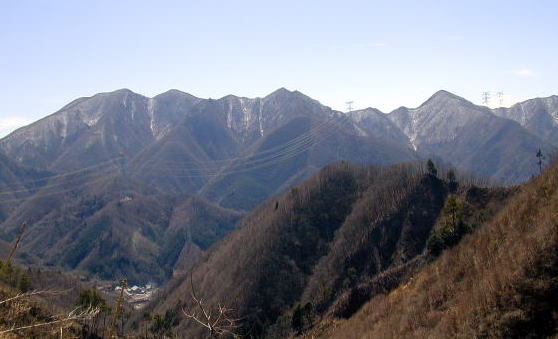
[(120, 91), (399, 110), (549, 100), (230, 97), (175, 93), (281, 90), (283, 93), (361, 114), (443, 97), (373, 110)]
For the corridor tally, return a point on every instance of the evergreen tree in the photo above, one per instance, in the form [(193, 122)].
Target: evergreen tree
[(24, 283), (541, 157), (452, 180), (432, 170), (296, 320), (453, 227), (453, 210)]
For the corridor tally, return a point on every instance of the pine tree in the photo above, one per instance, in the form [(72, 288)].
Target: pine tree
[(453, 210), (541, 157), (452, 180), (432, 170)]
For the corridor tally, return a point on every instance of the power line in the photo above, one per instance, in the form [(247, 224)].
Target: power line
[(292, 150), (200, 164), (287, 153), (70, 173), (42, 194), (301, 139), (304, 135)]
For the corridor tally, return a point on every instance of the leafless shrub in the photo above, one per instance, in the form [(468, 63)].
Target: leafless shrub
[(218, 322), (76, 314), (30, 294)]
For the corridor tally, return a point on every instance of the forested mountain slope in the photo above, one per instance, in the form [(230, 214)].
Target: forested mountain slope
[(295, 258), (116, 227), (500, 281)]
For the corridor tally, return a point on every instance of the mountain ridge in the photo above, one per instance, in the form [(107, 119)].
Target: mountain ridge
[(320, 239), (233, 152)]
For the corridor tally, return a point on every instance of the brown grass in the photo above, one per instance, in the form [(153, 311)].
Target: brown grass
[(498, 282), (30, 319)]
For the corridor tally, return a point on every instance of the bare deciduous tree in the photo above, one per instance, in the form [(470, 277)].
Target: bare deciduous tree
[(218, 322), (118, 309), (16, 244)]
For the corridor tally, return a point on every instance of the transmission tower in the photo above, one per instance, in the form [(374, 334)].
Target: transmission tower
[(486, 98), (349, 106), (500, 96)]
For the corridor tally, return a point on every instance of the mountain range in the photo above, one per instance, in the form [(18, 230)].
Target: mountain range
[(122, 184)]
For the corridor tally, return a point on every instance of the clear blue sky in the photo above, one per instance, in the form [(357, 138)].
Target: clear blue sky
[(377, 53)]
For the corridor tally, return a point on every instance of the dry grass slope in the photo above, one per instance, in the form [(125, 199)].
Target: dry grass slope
[(325, 247), (25, 315), (500, 281)]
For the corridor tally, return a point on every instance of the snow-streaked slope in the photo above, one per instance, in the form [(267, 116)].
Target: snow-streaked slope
[(539, 116), (95, 129), (372, 122), (470, 137), (437, 120)]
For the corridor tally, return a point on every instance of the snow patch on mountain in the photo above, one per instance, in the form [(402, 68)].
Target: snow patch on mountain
[(438, 120), (261, 118), (151, 115), (539, 116), (92, 121)]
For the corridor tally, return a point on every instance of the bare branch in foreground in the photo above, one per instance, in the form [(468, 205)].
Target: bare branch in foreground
[(32, 293), (16, 244), (75, 314), (220, 324)]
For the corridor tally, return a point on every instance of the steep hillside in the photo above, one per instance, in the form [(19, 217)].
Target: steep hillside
[(498, 282), (371, 121), (310, 144), (539, 116), (17, 183), (239, 151), (471, 137), (110, 226), (315, 243), (91, 130)]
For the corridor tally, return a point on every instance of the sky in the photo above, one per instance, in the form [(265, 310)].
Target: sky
[(382, 54)]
